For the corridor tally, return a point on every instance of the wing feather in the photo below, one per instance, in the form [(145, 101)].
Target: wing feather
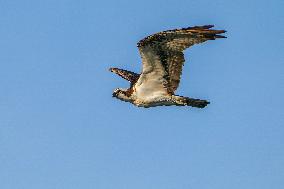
[(167, 47), (154, 78), (125, 74)]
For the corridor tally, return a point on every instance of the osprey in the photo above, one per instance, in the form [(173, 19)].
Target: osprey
[(162, 59)]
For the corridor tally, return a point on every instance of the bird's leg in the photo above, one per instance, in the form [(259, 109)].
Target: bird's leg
[(186, 101)]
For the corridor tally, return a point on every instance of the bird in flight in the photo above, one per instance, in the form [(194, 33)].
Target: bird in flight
[(162, 60)]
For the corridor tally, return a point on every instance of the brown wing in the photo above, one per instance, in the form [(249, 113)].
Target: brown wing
[(125, 74), (169, 46)]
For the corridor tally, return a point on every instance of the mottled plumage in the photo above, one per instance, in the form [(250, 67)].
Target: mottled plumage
[(162, 59)]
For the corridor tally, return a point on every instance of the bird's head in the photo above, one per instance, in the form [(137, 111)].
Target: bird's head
[(121, 94)]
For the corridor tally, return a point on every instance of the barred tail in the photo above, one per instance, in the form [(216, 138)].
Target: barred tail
[(196, 102)]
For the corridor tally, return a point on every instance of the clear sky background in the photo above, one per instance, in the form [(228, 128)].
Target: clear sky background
[(60, 128)]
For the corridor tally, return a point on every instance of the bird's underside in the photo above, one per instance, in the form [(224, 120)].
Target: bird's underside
[(162, 60)]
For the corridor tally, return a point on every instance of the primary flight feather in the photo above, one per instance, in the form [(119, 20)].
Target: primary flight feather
[(162, 60)]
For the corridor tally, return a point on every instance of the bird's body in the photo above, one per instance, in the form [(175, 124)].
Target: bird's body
[(162, 59)]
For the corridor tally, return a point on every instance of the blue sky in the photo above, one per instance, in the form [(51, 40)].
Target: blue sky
[(61, 128)]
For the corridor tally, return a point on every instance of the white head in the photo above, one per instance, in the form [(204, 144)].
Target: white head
[(121, 94)]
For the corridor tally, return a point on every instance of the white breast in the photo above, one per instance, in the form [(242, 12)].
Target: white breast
[(148, 88)]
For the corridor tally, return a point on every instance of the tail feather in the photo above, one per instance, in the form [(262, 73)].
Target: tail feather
[(196, 102)]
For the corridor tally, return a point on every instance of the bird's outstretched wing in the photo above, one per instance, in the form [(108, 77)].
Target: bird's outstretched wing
[(125, 74), (162, 53)]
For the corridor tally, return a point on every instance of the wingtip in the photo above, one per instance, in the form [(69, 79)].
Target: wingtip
[(223, 31), (203, 27), (208, 26), (110, 69), (220, 36)]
